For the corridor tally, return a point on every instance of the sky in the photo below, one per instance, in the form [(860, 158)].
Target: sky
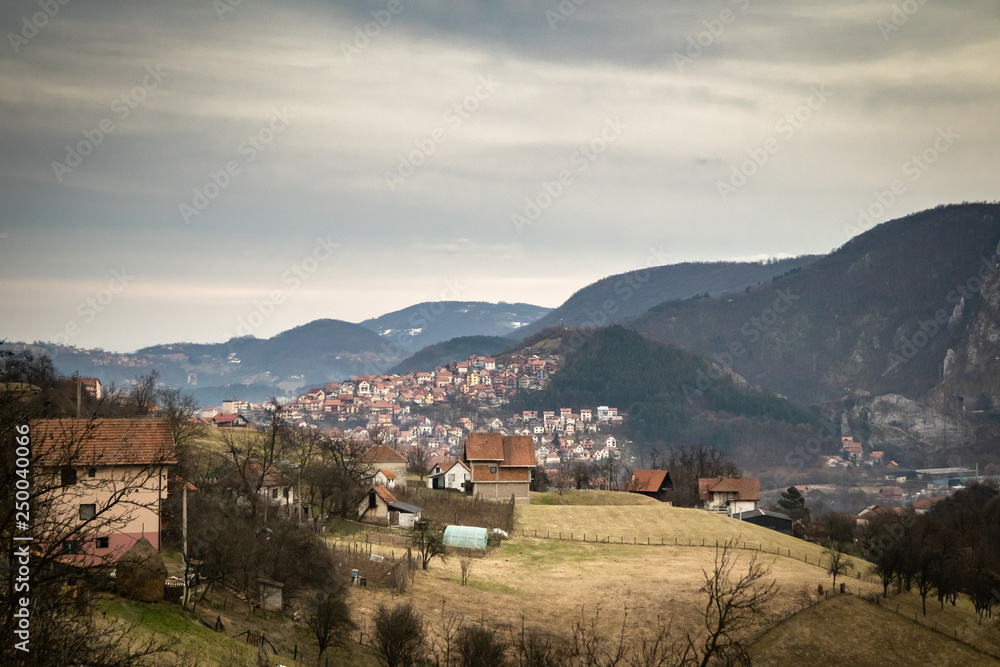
[(169, 169)]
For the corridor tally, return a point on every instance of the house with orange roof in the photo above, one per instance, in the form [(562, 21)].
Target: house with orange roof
[(381, 457), (93, 461), (500, 465), (651, 483)]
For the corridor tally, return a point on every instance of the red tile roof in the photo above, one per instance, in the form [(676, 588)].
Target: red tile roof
[(383, 454), (647, 481), (103, 442), (509, 450), (384, 494), (388, 473)]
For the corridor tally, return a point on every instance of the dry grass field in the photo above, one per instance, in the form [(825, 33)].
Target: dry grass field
[(847, 631)]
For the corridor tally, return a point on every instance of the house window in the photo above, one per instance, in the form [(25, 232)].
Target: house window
[(102, 542), (493, 469), (69, 547), (68, 476), (274, 493), (91, 472), (371, 500), (451, 478), (88, 512), (285, 492)]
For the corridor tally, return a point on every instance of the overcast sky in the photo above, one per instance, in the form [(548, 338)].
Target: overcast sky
[(168, 168)]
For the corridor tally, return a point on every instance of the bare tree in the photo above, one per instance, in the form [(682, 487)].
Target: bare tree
[(736, 603), (417, 461), (428, 543), (327, 615), (466, 564), (837, 563), (397, 635)]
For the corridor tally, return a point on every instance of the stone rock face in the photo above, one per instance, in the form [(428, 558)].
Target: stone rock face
[(892, 420)]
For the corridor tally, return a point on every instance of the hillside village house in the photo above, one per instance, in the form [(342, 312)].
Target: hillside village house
[(729, 495), (500, 465), (380, 507), (453, 475), (652, 483), (387, 459), (95, 461)]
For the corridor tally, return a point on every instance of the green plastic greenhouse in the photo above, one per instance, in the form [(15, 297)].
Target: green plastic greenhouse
[(468, 537)]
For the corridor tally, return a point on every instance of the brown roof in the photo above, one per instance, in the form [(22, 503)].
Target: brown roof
[(509, 450), (384, 494), (745, 488), (387, 473), (648, 481), (103, 442), (383, 454)]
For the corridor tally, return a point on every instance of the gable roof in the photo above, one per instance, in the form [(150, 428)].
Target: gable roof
[(387, 473), (745, 488), (649, 481), (384, 494), (103, 442), (382, 454), (509, 450)]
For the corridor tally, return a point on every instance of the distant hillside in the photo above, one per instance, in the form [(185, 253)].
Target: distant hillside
[(423, 324), (848, 321), (254, 368), (616, 298), (456, 349), (672, 397)]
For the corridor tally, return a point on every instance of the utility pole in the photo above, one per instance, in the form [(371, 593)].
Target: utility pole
[(184, 531), (79, 392)]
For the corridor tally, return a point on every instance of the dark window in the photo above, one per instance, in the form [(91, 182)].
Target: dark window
[(91, 472), (371, 500), (102, 542), (68, 476), (69, 547), (285, 492), (274, 493), (88, 512), (493, 469)]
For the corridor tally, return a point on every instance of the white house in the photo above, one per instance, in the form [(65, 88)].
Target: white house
[(451, 475)]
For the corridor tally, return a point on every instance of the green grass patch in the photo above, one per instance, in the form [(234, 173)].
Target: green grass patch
[(487, 586)]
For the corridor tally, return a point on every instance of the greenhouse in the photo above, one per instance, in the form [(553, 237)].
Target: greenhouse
[(468, 537)]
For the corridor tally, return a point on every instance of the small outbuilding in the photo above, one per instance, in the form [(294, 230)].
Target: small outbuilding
[(140, 573), (773, 520), (270, 594), (466, 537)]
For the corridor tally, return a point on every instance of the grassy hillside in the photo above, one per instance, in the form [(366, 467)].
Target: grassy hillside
[(847, 631), (830, 328), (618, 297)]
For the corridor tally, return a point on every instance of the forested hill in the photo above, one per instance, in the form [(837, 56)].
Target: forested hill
[(615, 298), (672, 397)]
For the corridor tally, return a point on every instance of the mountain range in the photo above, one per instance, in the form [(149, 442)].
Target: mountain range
[(895, 334)]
